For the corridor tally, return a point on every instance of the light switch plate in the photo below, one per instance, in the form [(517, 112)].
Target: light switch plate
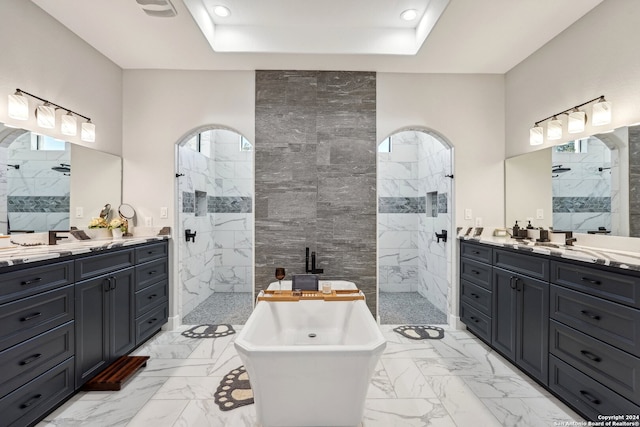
[(164, 212), (539, 214), (79, 212), (478, 222), (148, 221), (468, 214)]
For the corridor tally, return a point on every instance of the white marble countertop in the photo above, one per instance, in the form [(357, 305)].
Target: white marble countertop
[(15, 254), (627, 260)]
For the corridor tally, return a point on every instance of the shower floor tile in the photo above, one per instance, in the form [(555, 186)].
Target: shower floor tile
[(408, 308), (232, 308)]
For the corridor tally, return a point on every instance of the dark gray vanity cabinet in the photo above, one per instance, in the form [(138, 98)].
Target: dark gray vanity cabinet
[(105, 321), (151, 292), (63, 321), (476, 288), (36, 340), (520, 320), (595, 338), (571, 325)]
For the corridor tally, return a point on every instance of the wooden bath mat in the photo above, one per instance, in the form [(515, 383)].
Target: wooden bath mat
[(118, 373), (335, 295)]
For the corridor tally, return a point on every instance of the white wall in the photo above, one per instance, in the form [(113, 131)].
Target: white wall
[(467, 110), (598, 55), (160, 108), (42, 57)]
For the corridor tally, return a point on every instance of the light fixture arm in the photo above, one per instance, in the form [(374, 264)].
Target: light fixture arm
[(568, 110), (54, 104)]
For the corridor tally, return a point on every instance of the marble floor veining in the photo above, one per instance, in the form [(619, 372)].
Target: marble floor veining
[(455, 382)]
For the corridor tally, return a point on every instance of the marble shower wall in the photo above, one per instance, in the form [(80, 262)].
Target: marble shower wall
[(216, 200), (316, 175), (37, 196), (634, 181), (582, 196), (4, 170), (412, 206)]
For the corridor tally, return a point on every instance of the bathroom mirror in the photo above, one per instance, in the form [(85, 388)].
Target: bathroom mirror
[(582, 186), (48, 184)]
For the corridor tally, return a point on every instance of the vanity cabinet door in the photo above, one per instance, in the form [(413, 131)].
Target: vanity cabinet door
[(504, 313), (520, 328), (105, 327)]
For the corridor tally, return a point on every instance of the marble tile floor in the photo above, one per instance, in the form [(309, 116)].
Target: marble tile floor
[(233, 308), (454, 382), (408, 308)]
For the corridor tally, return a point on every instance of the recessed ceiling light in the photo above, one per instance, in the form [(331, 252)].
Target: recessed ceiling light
[(409, 14), (221, 11)]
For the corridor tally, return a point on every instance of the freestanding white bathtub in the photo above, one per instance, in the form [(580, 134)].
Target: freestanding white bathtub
[(310, 362)]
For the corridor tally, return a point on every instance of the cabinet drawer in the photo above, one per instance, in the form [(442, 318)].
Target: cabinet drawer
[(23, 362), (528, 264), (476, 297), (476, 272), (95, 265), (476, 322), (150, 273), (617, 287), (31, 280), (614, 368), (480, 253), (148, 324), (612, 323), (28, 317), (589, 397), (150, 297), (33, 400), (151, 252)]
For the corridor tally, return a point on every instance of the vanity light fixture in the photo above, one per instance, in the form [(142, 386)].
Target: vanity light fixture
[(18, 106), (577, 120), (554, 129), (601, 112), (46, 116), (69, 124), (536, 135)]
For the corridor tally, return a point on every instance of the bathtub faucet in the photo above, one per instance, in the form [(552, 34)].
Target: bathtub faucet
[(313, 269)]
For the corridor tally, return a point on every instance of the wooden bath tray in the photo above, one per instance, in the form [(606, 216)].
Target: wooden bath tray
[(335, 295)]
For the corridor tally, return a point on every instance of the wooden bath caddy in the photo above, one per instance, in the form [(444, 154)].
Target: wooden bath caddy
[(335, 295)]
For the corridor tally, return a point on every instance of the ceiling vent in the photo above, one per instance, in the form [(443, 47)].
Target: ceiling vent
[(158, 8)]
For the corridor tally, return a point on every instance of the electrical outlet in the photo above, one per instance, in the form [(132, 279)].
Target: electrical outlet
[(164, 212), (468, 214), (539, 214), (478, 222), (79, 212), (148, 221)]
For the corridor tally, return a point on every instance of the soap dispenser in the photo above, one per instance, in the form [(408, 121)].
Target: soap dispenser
[(515, 231), (529, 226)]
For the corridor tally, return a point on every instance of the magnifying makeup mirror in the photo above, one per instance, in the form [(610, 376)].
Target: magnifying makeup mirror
[(127, 213), (104, 213)]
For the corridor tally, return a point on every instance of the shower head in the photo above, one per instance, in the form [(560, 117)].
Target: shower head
[(63, 168)]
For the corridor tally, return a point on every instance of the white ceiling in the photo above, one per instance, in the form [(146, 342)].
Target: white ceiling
[(471, 36)]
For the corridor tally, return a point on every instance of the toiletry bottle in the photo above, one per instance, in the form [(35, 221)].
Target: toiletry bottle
[(529, 226), (515, 231)]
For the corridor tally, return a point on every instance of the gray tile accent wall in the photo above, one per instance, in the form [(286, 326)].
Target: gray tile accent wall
[(229, 204), (315, 177), (402, 204), (634, 181), (38, 204), (581, 204)]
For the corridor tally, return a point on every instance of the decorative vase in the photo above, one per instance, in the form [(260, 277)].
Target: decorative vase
[(99, 233), (117, 234)]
